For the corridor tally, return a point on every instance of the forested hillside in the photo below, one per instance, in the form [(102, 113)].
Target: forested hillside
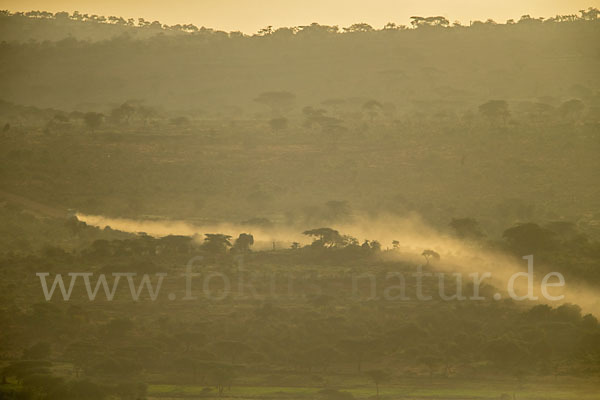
[(433, 67)]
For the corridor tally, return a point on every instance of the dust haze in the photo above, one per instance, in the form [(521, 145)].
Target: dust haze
[(411, 231), (218, 201)]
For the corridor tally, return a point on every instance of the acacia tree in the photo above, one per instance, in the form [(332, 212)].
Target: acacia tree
[(377, 376), (418, 22), (360, 27), (223, 377), (358, 349), (122, 113), (529, 238), (243, 242), (327, 237), (495, 110), (466, 228), (278, 102), (591, 14), (93, 120), (217, 243), (430, 254), (372, 108), (571, 109)]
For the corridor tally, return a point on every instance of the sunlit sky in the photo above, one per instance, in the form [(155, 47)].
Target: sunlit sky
[(251, 15)]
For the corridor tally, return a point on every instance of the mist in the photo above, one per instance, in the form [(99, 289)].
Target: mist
[(299, 199)]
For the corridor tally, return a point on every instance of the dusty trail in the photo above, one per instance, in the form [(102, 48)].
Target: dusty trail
[(414, 236)]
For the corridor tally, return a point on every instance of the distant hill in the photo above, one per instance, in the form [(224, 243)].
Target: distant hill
[(93, 60)]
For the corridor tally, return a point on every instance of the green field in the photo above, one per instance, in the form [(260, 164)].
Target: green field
[(412, 389)]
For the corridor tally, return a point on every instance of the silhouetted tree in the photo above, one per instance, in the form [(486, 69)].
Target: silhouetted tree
[(243, 242), (278, 102), (325, 237), (571, 109), (430, 254), (495, 110), (529, 238), (377, 376), (361, 27), (93, 120), (466, 228), (216, 243)]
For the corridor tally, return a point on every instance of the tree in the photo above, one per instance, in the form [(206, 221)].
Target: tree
[(418, 22), (278, 102), (93, 120), (266, 31), (360, 27), (61, 15), (358, 349), (315, 117), (377, 376), (466, 228), (591, 14), (571, 109), (222, 376), (527, 19), (79, 354), (437, 21), (495, 110), (174, 244), (122, 114), (375, 245), (243, 242), (285, 32), (529, 238), (216, 243), (325, 237), (317, 30), (430, 254), (372, 108)]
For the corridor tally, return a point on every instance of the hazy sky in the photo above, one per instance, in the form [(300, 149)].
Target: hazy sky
[(251, 15)]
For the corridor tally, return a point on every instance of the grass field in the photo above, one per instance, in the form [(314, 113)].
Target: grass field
[(425, 389)]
